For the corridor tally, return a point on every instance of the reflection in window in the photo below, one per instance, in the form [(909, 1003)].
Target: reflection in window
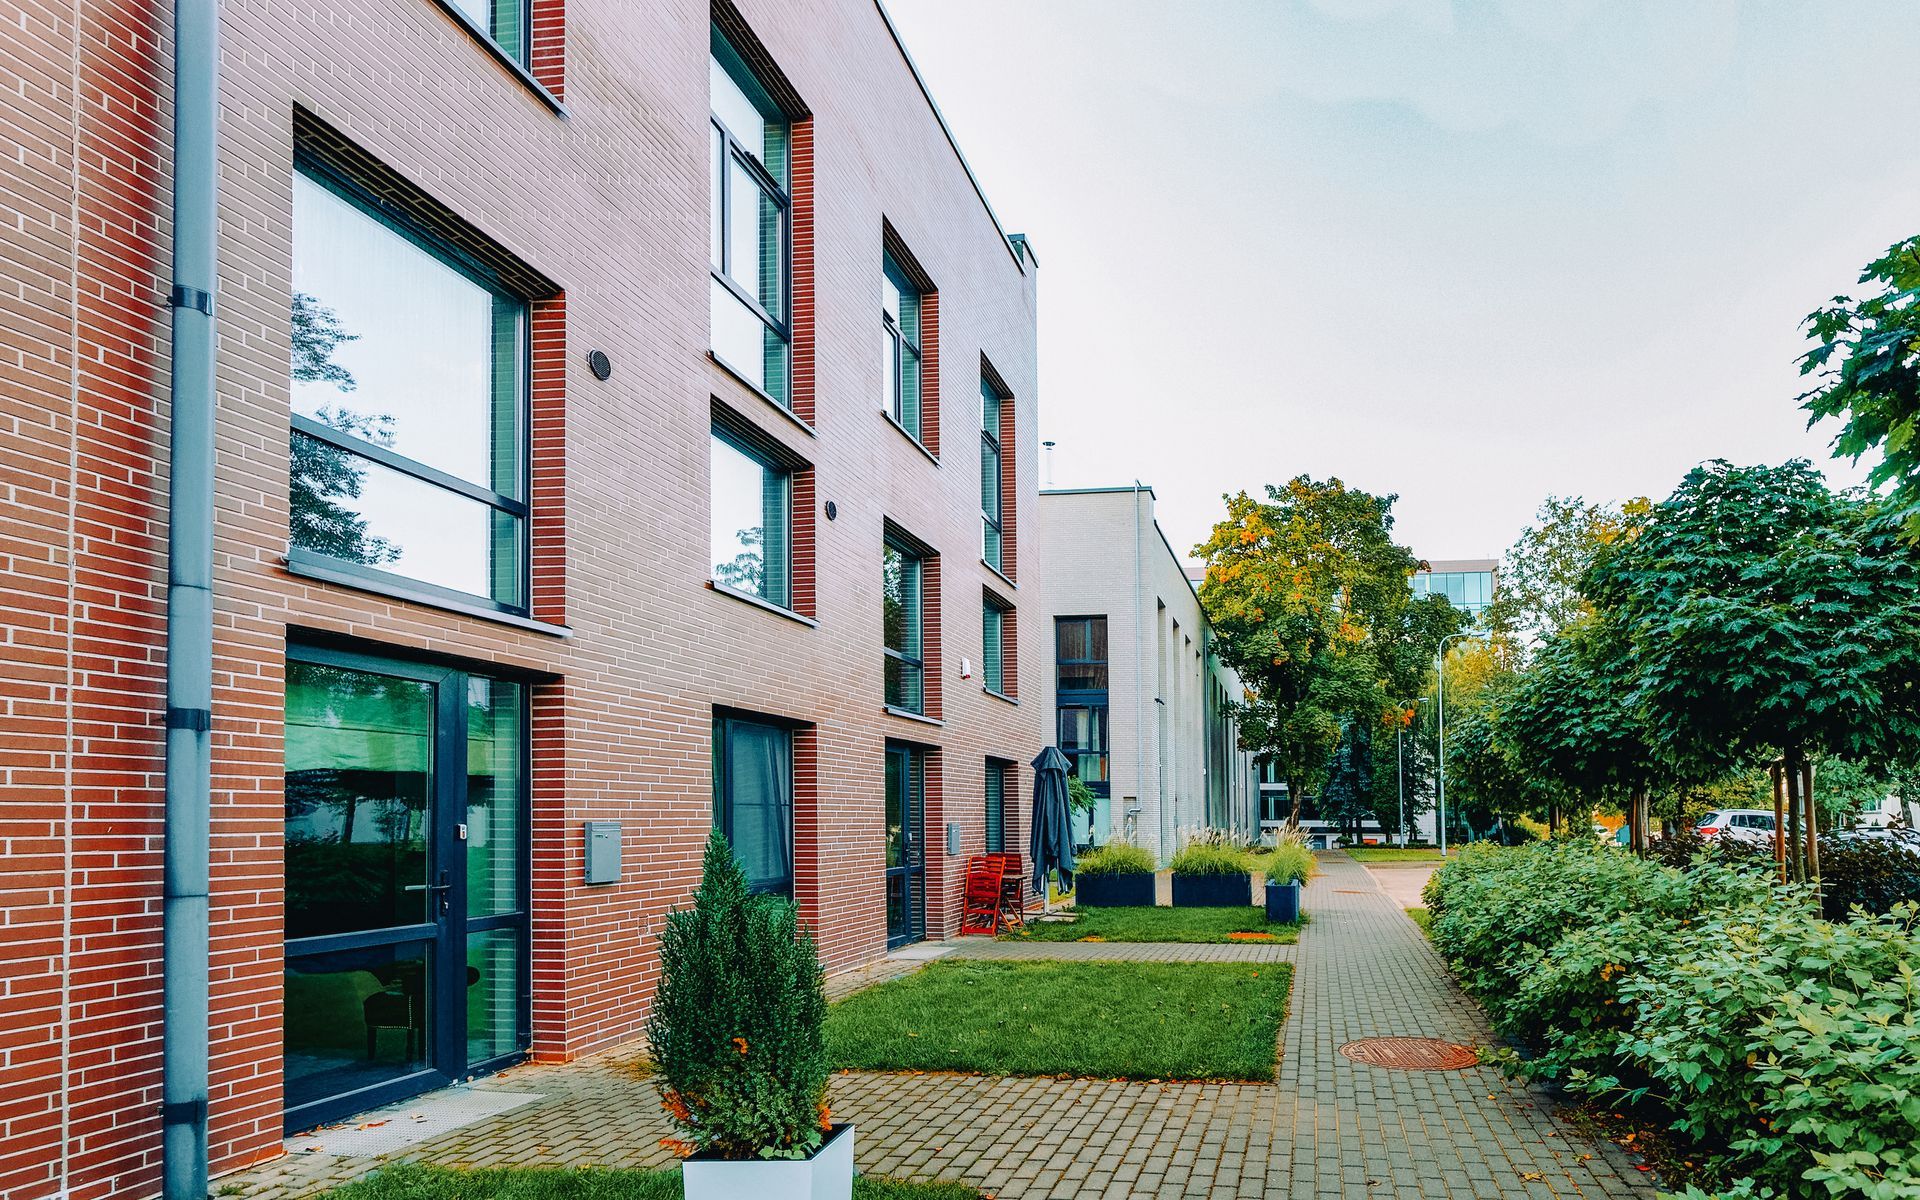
[(748, 228), (997, 806), (359, 752), (505, 21), (753, 799), (1080, 653), (750, 520), (407, 451), (900, 346), (901, 590)]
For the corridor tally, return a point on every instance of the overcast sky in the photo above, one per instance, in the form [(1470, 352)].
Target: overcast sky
[(1472, 253)]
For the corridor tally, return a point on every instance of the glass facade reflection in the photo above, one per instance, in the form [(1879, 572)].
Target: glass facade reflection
[(1468, 591)]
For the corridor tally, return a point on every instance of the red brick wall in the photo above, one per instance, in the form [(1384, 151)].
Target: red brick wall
[(610, 202)]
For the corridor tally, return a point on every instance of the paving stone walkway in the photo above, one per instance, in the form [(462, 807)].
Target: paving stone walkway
[(1327, 1127)]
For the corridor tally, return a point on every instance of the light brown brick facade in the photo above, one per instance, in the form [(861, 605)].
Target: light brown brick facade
[(608, 202)]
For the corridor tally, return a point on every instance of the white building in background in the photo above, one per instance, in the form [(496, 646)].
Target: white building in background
[(1135, 691)]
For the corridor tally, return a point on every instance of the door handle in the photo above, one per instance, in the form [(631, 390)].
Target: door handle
[(439, 890)]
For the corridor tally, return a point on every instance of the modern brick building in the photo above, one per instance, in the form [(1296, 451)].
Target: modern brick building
[(505, 476), (1133, 685)]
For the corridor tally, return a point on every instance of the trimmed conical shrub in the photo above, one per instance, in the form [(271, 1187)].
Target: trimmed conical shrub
[(736, 1026)]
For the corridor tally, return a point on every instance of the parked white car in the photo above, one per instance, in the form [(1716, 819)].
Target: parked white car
[(1739, 824)]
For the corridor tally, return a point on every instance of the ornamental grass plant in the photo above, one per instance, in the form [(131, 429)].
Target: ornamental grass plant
[(1115, 858), (737, 1027)]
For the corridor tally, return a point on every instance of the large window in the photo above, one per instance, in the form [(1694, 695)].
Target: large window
[(747, 245), (900, 346), (903, 577), (408, 446), (992, 534), (993, 646), (505, 21), (753, 799), (1468, 591), (1080, 698), (1080, 653), (751, 516)]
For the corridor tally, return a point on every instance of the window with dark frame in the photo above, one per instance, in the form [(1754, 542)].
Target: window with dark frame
[(993, 645), (753, 799), (900, 346), (997, 805), (749, 230), (408, 447), (992, 534), (1080, 698), (751, 520), (903, 579)]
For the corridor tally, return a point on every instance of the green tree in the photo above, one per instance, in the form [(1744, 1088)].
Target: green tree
[(1766, 616), (1309, 595), (1867, 365), (320, 475), (1539, 593)]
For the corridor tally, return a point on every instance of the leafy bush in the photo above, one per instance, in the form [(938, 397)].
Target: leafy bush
[(1785, 1046), (1288, 862), (1874, 873), (1201, 858), (737, 1024), (1115, 858), (1080, 797)]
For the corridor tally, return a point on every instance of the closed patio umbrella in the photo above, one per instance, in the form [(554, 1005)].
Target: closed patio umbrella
[(1052, 843)]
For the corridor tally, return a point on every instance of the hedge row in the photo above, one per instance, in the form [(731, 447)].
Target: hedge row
[(1784, 1046)]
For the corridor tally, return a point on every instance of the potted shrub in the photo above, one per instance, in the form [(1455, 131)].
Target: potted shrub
[(1112, 875), (1209, 874), (737, 1037), (1287, 868)]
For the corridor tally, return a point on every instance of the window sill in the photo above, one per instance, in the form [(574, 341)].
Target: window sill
[(908, 434), (905, 715), (761, 392), (1004, 578), (501, 56), (307, 568), (777, 610), (1001, 696)]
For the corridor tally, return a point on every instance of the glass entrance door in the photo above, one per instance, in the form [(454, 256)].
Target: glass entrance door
[(906, 854), (405, 881)]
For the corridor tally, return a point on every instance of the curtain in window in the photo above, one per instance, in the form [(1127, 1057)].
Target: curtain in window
[(756, 808)]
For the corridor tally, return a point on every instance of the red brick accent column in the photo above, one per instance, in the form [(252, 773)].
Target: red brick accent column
[(547, 430), (547, 57), (930, 372), (930, 611), (800, 217), (801, 556), (1009, 493)]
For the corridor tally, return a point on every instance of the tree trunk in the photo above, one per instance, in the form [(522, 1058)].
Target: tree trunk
[(1293, 794), (1813, 823), (1778, 773), (1796, 844)]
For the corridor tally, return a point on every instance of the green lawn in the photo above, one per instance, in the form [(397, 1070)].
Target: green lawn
[(412, 1182), (1392, 854), (1158, 925), (1423, 919), (1105, 1020)]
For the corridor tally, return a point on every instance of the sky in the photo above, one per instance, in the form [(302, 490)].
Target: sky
[(1472, 254)]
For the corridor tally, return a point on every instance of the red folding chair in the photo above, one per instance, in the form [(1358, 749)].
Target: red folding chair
[(980, 902)]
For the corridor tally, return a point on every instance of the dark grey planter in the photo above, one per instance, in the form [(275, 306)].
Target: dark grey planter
[(1114, 891), (1212, 891), (1283, 903)]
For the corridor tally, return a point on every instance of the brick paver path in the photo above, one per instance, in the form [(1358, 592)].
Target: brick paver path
[(1327, 1127)]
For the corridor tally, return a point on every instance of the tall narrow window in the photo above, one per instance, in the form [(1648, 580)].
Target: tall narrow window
[(904, 665), (748, 234), (751, 517), (992, 534), (409, 440), (900, 346), (993, 646), (997, 806), (753, 799)]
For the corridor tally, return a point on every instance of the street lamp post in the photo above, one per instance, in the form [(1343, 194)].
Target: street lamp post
[(1440, 778)]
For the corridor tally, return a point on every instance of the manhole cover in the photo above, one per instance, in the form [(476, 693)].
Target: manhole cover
[(1411, 1053)]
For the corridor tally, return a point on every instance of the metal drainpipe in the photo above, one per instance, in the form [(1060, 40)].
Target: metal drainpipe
[(189, 769), (1140, 659)]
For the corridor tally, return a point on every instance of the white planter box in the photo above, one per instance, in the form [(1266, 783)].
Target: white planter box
[(828, 1175)]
